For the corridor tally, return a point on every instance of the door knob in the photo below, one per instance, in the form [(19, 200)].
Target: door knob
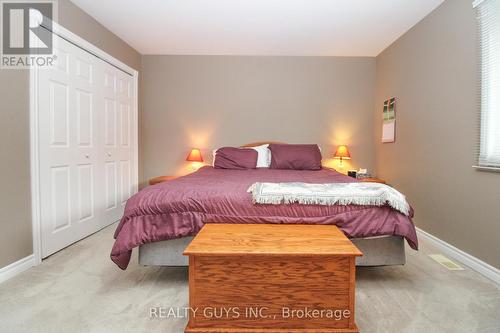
[(109, 154), (87, 156)]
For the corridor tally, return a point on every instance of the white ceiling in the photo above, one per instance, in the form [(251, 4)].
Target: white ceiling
[(259, 27)]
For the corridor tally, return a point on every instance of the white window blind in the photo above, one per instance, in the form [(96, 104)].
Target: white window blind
[(488, 16)]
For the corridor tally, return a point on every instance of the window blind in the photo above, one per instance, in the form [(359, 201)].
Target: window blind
[(488, 18)]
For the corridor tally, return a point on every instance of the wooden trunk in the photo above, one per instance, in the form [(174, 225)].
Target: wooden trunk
[(236, 290)]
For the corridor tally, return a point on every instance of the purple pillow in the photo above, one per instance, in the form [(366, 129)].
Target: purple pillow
[(235, 158), (295, 157)]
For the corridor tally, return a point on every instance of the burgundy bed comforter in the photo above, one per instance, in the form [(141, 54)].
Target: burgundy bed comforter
[(180, 207)]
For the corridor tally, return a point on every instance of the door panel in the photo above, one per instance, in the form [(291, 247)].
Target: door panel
[(111, 185), (85, 199), (84, 118), (59, 118), (61, 205), (84, 69), (109, 80), (62, 64), (125, 125), (110, 122)]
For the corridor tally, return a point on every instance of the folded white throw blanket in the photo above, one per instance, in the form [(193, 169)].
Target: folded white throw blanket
[(373, 194)]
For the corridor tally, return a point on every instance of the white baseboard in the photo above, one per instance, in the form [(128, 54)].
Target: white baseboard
[(476, 264), (17, 267), (459, 255)]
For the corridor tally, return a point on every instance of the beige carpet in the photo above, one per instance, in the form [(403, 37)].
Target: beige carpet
[(80, 290)]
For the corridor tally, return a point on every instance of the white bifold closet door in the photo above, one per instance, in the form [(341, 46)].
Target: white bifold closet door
[(85, 145)]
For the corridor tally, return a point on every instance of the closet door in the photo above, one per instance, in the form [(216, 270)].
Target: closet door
[(68, 148), (85, 150), (117, 133)]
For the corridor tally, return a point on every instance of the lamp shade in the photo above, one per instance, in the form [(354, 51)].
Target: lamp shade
[(342, 153), (194, 156)]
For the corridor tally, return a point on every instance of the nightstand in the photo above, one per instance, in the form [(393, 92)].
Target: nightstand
[(372, 180), (161, 179)]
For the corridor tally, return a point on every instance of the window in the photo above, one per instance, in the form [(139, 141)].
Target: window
[(488, 17)]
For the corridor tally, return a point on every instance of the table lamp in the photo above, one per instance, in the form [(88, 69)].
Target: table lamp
[(194, 157), (342, 153)]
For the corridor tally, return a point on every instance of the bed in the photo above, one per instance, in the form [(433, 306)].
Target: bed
[(161, 219)]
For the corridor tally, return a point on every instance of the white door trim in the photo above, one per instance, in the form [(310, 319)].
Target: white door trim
[(34, 149)]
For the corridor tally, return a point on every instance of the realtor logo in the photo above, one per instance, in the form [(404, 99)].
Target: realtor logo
[(27, 37)]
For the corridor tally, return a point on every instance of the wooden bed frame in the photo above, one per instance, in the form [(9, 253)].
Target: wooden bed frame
[(260, 143), (378, 251)]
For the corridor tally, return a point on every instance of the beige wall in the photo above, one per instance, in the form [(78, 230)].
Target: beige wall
[(213, 101), (432, 72), (15, 196)]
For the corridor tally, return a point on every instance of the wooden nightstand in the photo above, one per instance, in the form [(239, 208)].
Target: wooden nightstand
[(161, 179), (372, 180)]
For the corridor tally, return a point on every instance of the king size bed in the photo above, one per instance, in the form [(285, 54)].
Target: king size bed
[(161, 219)]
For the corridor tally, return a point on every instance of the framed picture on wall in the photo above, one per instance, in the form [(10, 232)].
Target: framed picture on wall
[(389, 123)]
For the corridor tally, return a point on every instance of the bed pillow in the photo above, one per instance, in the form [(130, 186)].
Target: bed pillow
[(295, 157), (264, 156), (235, 158)]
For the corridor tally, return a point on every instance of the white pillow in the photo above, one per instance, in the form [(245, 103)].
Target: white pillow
[(214, 152), (264, 156)]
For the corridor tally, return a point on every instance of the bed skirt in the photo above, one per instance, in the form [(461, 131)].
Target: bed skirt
[(378, 251)]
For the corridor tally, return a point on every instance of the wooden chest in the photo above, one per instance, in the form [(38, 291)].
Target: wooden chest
[(271, 278)]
